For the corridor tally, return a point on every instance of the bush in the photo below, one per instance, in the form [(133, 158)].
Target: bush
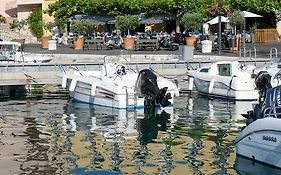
[(16, 24), (2, 19), (35, 23)]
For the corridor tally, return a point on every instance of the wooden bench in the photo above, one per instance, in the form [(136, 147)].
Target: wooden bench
[(142, 44), (97, 43)]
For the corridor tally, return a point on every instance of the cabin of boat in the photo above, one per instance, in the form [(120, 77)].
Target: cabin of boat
[(225, 79)]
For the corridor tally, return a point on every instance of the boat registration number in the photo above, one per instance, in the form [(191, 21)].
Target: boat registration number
[(269, 138)]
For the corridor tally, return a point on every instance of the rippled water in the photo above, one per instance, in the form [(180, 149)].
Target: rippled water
[(52, 135)]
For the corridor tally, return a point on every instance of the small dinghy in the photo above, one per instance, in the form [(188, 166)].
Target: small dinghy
[(260, 140)]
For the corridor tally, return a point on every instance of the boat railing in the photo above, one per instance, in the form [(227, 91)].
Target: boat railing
[(271, 52), (272, 111), (244, 51)]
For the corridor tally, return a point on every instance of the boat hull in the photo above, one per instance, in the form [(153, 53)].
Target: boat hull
[(214, 87), (116, 92), (260, 141)]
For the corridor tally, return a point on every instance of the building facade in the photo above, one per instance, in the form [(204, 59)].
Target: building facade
[(8, 9), (21, 9)]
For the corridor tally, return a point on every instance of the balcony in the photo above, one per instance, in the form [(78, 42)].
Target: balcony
[(30, 2)]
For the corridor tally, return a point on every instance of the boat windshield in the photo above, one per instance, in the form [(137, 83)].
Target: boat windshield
[(10, 47), (224, 69)]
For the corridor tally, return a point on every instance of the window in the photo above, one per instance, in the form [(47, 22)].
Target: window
[(224, 69), (204, 70)]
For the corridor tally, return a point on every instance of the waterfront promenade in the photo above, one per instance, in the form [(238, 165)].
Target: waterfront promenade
[(262, 51), (163, 61)]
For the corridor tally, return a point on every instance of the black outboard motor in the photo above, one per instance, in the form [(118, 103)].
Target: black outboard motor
[(269, 99), (263, 83), (146, 84)]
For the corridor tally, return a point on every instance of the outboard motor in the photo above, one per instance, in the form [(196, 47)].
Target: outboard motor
[(263, 83), (269, 99), (146, 84)]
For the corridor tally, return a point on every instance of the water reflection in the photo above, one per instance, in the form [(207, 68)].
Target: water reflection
[(245, 166), (61, 137), (111, 129)]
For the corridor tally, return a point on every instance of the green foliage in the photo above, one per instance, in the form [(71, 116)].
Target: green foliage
[(35, 23), (63, 9), (16, 24), (82, 26), (2, 19), (49, 26), (192, 21), (127, 22), (236, 18)]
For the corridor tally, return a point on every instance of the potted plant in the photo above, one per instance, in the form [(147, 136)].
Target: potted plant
[(127, 23), (80, 27), (48, 28), (192, 22), (235, 19)]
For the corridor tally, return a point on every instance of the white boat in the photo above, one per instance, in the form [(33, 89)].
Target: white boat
[(115, 86), (260, 140), (225, 79), (11, 51)]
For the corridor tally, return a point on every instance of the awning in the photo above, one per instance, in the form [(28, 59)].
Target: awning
[(247, 14), (216, 20), (151, 20)]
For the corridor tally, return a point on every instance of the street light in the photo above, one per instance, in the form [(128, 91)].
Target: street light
[(219, 18)]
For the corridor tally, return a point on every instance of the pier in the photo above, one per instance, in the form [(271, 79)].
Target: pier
[(49, 73)]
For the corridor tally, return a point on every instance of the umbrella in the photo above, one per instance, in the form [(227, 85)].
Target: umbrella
[(247, 14), (216, 20)]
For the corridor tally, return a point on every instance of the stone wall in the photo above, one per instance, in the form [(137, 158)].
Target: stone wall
[(8, 34)]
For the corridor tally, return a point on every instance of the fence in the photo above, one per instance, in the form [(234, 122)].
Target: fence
[(266, 35)]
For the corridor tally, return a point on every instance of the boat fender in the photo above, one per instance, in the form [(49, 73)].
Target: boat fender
[(64, 80), (72, 85), (93, 89), (211, 85), (190, 83)]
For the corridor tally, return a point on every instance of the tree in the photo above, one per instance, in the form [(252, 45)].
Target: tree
[(236, 18), (127, 22), (192, 21), (82, 26), (35, 23)]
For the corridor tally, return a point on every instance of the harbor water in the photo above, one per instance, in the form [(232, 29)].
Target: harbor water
[(50, 134)]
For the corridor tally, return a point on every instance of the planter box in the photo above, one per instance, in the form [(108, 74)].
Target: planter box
[(129, 43), (78, 43), (206, 46)]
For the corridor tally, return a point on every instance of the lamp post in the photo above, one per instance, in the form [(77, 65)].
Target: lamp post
[(219, 20)]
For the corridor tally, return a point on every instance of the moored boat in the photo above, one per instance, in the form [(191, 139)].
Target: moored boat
[(225, 79), (12, 52), (260, 139), (117, 86)]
